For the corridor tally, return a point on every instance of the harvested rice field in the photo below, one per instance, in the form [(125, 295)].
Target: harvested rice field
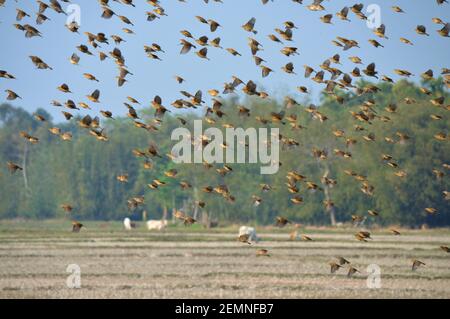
[(35, 259)]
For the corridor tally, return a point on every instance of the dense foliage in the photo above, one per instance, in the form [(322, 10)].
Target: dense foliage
[(84, 171)]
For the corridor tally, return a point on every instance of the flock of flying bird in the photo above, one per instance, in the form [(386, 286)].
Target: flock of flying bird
[(201, 45)]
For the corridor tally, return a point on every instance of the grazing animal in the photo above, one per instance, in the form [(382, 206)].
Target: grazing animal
[(128, 224)]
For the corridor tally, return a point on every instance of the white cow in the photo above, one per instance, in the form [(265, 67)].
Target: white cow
[(157, 224), (128, 224), (250, 231)]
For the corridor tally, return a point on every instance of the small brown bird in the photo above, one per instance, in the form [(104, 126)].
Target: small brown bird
[(200, 204), (244, 239), (296, 199), (6, 75), (123, 178), (179, 79), (265, 71), (179, 215), (84, 49), (250, 26), (351, 271), (342, 261), (185, 185), (74, 59), (404, 73), (293, 235), (12, 167), (420, 29), (446, 195), (94, 97), (12, 95), (334, 267), (172, 173), (445, 248), (29, 138), (188, 221), (380, 31), (66, 136), (67, 208), (416, 264), (256, 200), (397, 9), (282, 221), (327, 18), (107, 114), (431, 210), (343, 14), (370, 70), (203, 53), (406, 41), (445, 30), (375, 43), (64, 88), (233, 52), (289, 68), (363, 236), (153, 151), (76, 227), (356, 219), (90, 77), (316, 6), (373, 213), (262, 253)]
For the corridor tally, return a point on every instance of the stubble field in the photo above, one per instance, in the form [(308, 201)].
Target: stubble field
[(197, 263)]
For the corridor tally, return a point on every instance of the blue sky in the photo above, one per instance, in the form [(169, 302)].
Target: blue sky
[(151, 77)]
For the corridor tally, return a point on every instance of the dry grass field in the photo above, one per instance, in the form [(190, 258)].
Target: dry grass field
[(197, 263)]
